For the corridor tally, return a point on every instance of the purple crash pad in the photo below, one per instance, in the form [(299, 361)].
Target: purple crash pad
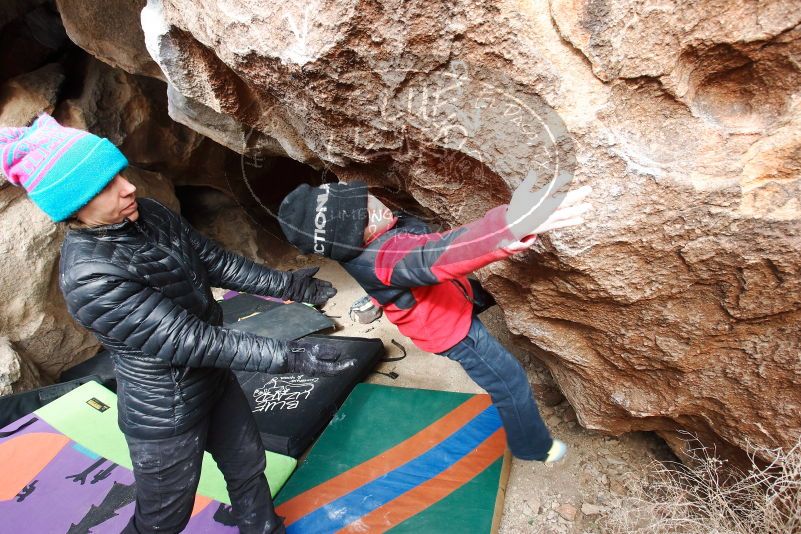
[(52, 484)]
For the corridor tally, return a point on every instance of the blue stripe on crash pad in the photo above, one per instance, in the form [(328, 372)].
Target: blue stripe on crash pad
[(347, 509), (80, 448)]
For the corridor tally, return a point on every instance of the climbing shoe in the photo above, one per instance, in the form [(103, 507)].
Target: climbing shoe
[(556, 452)]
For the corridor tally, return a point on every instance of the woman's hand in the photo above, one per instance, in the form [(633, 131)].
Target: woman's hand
[(536, 212), (315, 359), (303, 287)]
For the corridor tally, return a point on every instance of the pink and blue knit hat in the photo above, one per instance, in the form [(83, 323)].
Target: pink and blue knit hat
[(61, 168)]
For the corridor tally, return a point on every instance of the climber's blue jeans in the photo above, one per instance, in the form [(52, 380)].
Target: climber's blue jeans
[(496, 370)]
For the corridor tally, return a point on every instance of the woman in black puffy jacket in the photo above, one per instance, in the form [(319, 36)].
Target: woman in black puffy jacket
[(139, 277)]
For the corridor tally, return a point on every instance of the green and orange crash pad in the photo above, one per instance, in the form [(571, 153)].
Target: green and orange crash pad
[(402, 460), (66, 466)]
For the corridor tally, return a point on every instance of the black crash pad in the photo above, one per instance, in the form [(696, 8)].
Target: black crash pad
[(100, 365), (17, 405), (273, 319), (242, 305), (291, 410)]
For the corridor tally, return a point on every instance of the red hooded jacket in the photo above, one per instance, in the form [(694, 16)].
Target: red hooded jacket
[(420, 278)]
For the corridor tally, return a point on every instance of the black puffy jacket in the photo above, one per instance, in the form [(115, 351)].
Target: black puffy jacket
[(144, 289)]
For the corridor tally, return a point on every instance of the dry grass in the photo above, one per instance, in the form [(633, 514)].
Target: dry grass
[(706, 496)]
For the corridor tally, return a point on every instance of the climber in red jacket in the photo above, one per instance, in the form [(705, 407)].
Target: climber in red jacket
[(419, 279)]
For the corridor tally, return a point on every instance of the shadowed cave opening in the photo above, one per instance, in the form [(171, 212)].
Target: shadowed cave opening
[(257, 185)]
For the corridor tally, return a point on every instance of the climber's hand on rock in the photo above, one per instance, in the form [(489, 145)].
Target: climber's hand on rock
[(523, 244), (570, 211), (536, 212)]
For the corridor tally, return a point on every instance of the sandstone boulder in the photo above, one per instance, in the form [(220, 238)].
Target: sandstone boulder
[(15, 373), (110, 31), (28, 95), (32, 35), (33, 316), (221, 218), (41, 338), (131, 112), (676, 307)]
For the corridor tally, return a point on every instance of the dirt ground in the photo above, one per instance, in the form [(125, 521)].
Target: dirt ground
[(571, 496)]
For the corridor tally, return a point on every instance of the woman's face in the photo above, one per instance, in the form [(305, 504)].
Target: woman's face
[(115, 203)]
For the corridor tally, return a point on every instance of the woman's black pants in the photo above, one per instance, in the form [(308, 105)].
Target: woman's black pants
[(167, 471)]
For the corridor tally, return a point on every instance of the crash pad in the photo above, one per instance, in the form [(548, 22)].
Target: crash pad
[(67, 464), (266, 317), (235, 306), (402, 460), (100, 366), (17, 405), (287, 427), (292, 409)]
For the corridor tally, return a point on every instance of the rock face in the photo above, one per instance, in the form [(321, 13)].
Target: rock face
[(33, 315), (32, 36), (131, 112), (26, 96), (111, 32), (676, 307), (15, 374), (221, 218), (38, 338)]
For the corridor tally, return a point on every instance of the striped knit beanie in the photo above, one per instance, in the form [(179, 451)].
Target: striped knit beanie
[(61, 168)]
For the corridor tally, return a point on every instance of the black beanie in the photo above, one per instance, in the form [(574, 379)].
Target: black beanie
[(329, 220)]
